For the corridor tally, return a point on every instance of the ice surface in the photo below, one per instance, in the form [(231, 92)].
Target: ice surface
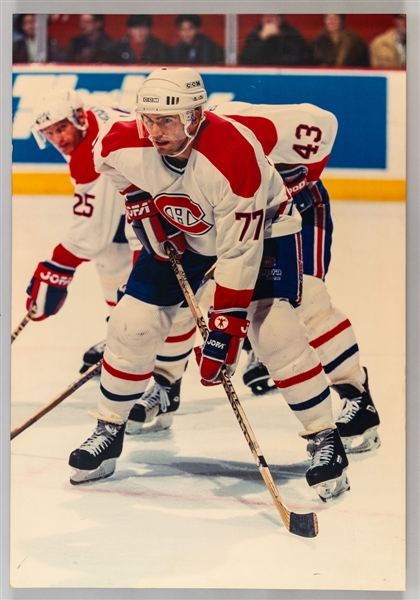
[(187, 508)]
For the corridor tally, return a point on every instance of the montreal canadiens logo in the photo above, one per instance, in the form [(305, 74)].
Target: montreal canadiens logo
[(182, 212), (268, 261)]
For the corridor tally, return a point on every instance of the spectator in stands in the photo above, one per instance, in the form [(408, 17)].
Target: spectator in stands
[(25, 46), (92, 45), (274, 42), (195, 48), (388, 50), (337, 46), (140, 46)]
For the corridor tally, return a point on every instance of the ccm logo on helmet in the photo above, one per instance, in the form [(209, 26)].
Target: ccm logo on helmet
[(192, 84), (182, 212), (150, 99)]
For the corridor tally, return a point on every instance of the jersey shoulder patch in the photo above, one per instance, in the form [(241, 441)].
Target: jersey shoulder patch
[(230, 153), (123, 134)]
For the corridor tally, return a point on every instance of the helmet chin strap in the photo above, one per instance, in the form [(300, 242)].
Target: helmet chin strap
[(191, 137)]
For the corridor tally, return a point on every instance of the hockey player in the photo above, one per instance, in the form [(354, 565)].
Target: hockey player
[(97, 228), (213, 195), (298, 138), (97, 233)]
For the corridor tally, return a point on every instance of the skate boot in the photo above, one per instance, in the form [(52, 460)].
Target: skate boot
[(327, 470), (96, 458), (92, 356), (256, 376), (154, 411), (358, 420)]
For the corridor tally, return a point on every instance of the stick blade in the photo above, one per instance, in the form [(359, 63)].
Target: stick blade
[(304, 525)]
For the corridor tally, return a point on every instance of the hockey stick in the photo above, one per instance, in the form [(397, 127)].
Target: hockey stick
[(23, 322), (94, 370), (305, 525)]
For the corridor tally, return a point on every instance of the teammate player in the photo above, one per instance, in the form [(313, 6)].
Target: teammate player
[(97, 226), (212, 193), (299, 139)]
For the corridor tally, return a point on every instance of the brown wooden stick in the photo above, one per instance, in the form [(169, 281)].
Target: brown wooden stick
[(305, 525), (23, 322), (94, 370)]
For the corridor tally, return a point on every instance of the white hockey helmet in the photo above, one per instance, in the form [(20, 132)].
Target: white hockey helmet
[(172, 91), (53, 107)]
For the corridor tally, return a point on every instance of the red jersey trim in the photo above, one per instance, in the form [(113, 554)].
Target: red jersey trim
[(81, 165), (123, 135), (66, 258), (315, 169), (263, 129), (228, 298), (231, 153)]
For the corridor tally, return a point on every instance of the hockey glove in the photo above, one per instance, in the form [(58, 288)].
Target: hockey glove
[(48, 289), (228, 329), (151, 228), (297, 185)]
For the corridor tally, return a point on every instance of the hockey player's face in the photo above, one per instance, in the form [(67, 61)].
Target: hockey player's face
[(166, 132), (64, 136)]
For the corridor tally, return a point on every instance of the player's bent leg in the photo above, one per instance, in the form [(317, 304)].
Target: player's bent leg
[(136, 332), (332, 336), (280, 339), (113, 266), (256, 375), (154, 411)]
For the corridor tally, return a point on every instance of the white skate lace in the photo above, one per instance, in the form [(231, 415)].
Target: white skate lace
[(100, 440), (349, 410), (321, 449), (158, 394)]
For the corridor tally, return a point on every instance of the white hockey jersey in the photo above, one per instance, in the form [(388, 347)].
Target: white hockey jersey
[(226, 199), (290, 134), (98, 207)]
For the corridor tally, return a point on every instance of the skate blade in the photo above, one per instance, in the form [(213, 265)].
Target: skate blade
[(369, 440), (328, 490), (162, 422), (105, 469)]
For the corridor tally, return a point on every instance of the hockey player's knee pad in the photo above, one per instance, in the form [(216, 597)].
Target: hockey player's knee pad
[(276, 333), (137, 328), (316, 301)]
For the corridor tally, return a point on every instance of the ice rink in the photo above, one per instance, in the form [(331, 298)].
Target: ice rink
[(187, 508)]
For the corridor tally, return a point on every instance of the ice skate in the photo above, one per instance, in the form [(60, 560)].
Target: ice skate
[(92, 356), (154, 411), (256, 376), (96, 457), (327, 470), (358, 420)]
